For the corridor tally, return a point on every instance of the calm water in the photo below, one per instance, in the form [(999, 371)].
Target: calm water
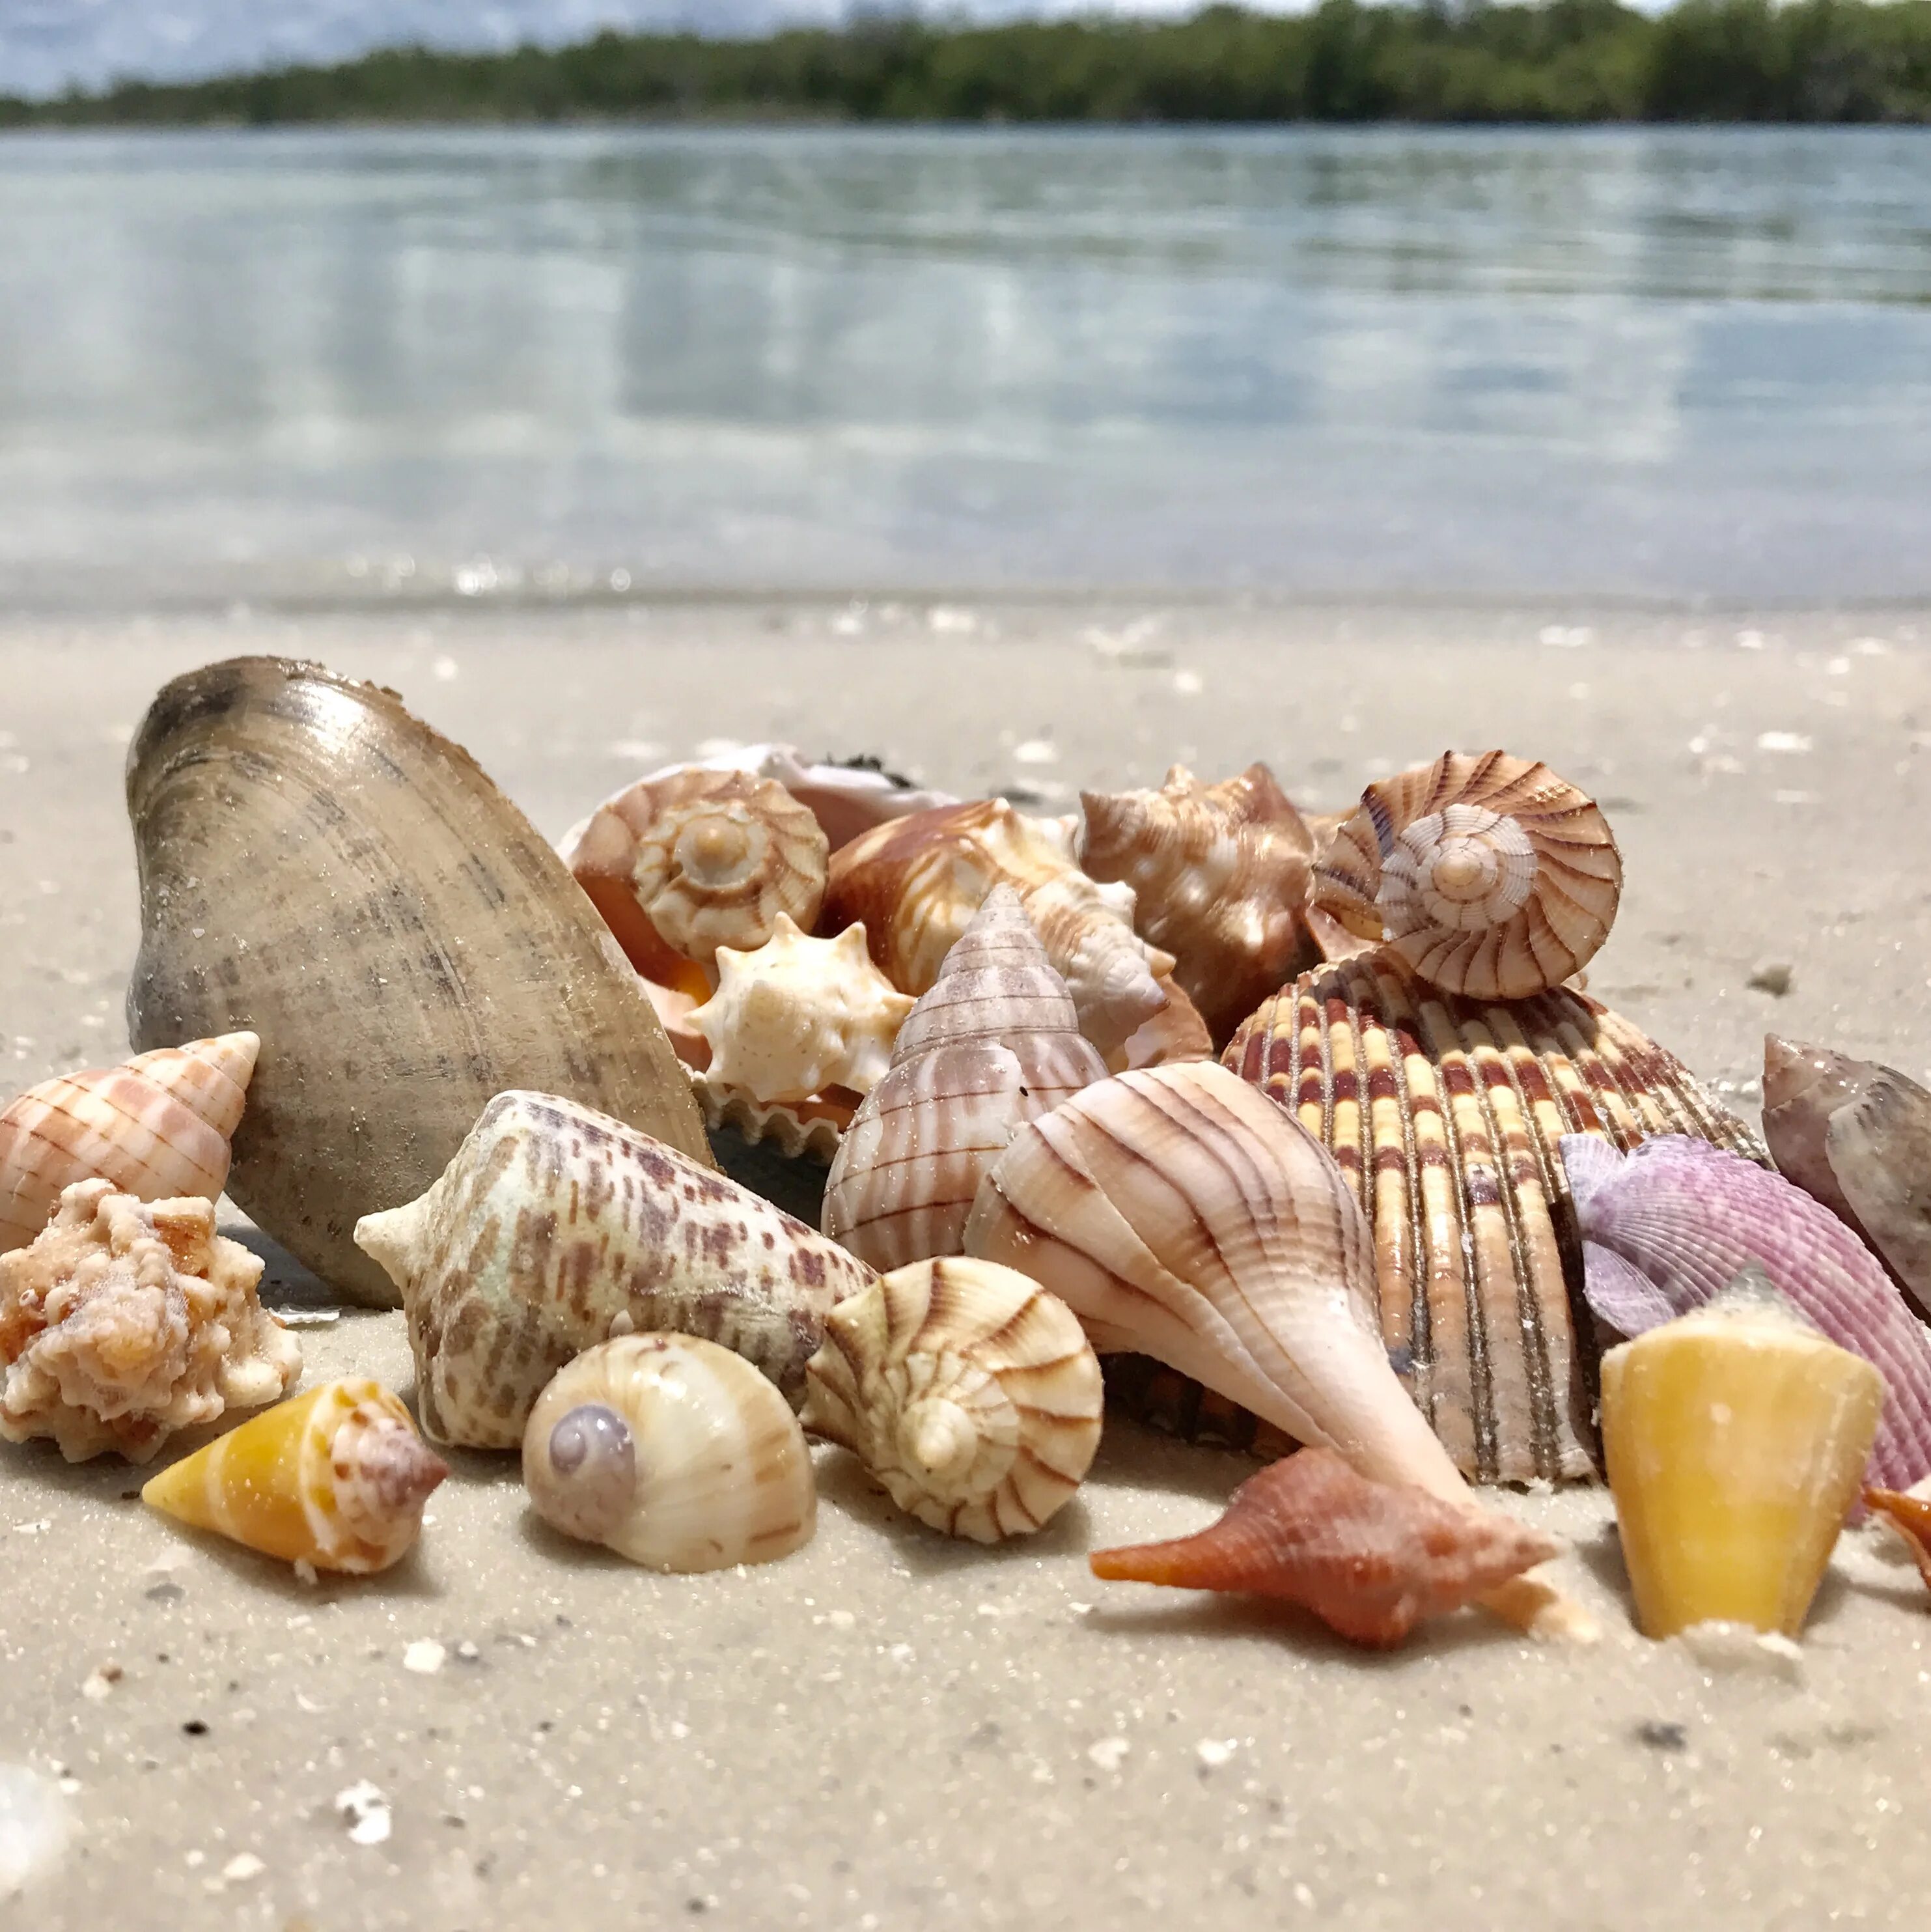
[(1643, 363)]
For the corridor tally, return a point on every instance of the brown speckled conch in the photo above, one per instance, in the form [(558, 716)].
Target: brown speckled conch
[(555, 1227)]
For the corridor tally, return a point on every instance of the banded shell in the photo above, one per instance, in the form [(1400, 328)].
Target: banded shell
[(320, 867), (971, 1394), (673, 1452), (1446, 1116), (846, 796), (158, 1127), (1489, 876), (555, 1227), (684, 864), (336, 1479), (993, 1041)]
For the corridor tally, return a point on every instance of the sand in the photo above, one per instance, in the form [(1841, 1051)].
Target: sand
[(888, 1730)]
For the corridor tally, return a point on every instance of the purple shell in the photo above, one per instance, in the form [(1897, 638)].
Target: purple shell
[(1669, 1226)]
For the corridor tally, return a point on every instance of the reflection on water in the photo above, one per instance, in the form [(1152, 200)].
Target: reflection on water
[(1342, 361)]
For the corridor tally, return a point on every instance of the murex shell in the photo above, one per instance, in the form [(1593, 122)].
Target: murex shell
[(1446, 1116), (320, 867), (555, 1227)]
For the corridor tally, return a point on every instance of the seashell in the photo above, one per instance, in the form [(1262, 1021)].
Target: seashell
[(993, 1042), (1736, 1437), (683, 865), (1487, 876), (336, 1479), (1665, 1229), (124, 1322), (1179, 1213), (673, 1452), (1370, 1559), (971, 1394), (323, 868), (1445, 1115), (1174, 1033), (916, 883), (555, 1227), (158, 1127), (1910, 1517), (1856, 1136), (1219, 874), (673, 1010)]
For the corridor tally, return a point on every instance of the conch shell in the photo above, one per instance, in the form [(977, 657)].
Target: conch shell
[(1487, 876), (993, 1042), (916, 883), (555, 1227), (319, 866), (124, 1322), (1219, 874), (971, 1394), (157, 1128), (336, 1479), (673, 1452)]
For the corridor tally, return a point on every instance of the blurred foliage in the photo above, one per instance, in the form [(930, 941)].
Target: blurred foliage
[(1563, 60)]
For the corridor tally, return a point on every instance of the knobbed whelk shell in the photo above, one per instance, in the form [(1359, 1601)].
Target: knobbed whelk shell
[(321, 867), (555, 1227), (157, 1128), (125, 1321), (993, 1041), (1487, 876), (971, 1394), (336, 1479), (673, 1452)]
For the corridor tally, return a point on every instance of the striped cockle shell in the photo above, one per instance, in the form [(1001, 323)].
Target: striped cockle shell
[(1447, 1116), (1487, 875), (673, 1452), (555, 1227), (993, 1042), (970, 1392), (158, 1126)]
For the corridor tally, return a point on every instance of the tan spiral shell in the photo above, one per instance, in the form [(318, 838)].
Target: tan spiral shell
[(971, 1394), (1487, 875), (994, 1041)]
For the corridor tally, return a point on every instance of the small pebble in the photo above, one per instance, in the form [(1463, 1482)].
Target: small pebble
[(1215, 1752), (364, 1808), (424, 1657), (101, 1680), (1773, 977), (241, 1868), (1109, 1753)]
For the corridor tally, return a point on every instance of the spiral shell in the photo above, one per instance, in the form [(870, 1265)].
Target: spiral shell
[(971, 1394), (1487, 876), (847, 795), (683, 865), (672, 1451)]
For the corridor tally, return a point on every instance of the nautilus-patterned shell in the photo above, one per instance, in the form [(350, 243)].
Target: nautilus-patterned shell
[(158, 1127), (992, 1042), (335, 1479), (1446, 1116), (683, 865), (970, 1392), (672, 1451), (555, 1227), (1487, 875)]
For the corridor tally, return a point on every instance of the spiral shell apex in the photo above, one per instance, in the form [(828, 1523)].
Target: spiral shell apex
[(971, 1394), (1486, 875)]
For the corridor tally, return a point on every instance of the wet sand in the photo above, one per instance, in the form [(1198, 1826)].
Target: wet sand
[(888, 1730)]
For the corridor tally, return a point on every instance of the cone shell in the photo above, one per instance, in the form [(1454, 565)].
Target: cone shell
[(993, 1041), (971, 1394), (1487, 876), (555, 1227), (158, 1127), (1447, 1116), (672, 1451), (322, 868), (1736, 1439), (336, 1479)]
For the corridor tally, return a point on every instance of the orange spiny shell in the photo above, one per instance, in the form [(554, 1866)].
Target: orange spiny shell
[(1911, 1516)]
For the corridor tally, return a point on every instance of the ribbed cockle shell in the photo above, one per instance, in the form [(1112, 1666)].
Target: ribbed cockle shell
[(970, 1393), (555, 1227), (993, 1041), (158, 1127), (1487, 875)]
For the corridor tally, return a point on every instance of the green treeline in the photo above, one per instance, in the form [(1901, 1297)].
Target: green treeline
[(1563, 60)]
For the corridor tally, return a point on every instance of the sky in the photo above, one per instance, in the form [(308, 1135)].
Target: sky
[(48, 45)]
